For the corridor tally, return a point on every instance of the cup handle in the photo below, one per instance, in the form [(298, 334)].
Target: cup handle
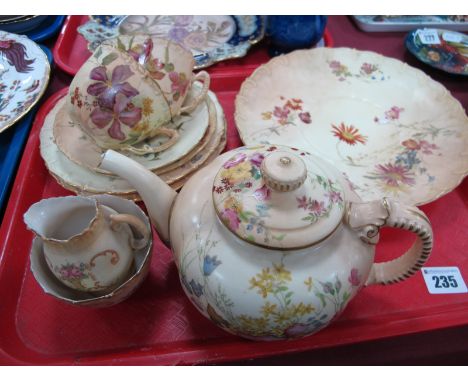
[(147, 149), (140, 227), (368, 218), (205, 78)]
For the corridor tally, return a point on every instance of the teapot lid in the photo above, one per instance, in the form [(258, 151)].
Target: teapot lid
[(277, 197)]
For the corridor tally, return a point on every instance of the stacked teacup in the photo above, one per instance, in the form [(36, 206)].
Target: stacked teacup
[(137, 95), (132, 88)]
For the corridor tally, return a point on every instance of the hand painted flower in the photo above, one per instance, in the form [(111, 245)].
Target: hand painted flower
[(411, 144), (142, 52), (394, 175), (196, 288), (393, 113), (210, 263), (354, 278), (282, 114), (178, 34), (106, 90), (16, 55), (422, 145), (317, 208), (257, 159), (121, 113), (179, 84), (230, 218), (262, 193), (305, 117), (334, 197), (183, 20), (348, 134), (235, 161), (328, 287), (433, 55), (196, 40), (368, 68), (303, 202), (71, 271)]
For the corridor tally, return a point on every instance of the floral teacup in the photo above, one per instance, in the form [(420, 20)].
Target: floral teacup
[(88, 246), (169, 64), (117, 104)]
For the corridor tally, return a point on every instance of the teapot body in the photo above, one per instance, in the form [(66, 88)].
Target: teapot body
[(256, 292)]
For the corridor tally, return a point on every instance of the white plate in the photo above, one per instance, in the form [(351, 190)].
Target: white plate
[(24, 75), (389, 127)]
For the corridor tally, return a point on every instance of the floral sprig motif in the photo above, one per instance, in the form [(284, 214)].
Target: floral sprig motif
[(156, 67), (288, 112), (367, 71)]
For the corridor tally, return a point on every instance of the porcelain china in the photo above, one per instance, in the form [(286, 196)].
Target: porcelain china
[(138, 270), (170, 65), (81, 149), (87, 245), (24, 75), (270, 241), (391, 129), (211, 38), (85, 181), (449, 53), (117, 104)]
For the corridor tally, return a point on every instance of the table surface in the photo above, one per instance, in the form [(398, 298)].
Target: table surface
[(448, 346)]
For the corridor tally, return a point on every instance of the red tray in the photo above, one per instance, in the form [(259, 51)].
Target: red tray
[(158, 324), (70, 52)]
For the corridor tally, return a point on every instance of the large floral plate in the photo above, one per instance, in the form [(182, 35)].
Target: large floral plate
[(389, 127), (210, 38), (24, 75), (449, 53)]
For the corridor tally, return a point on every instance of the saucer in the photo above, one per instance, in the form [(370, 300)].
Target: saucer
[(83, 181), (82, 150), (52, 286)]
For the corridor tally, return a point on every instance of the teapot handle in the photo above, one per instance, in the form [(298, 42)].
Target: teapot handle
[(390, 213)]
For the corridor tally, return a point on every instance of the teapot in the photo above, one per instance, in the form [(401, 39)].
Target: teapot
[(271, 242)]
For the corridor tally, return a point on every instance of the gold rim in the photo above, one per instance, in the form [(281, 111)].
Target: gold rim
[(45, 80)]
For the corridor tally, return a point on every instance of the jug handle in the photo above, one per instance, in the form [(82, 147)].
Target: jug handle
[(139, 226), (368, 218)]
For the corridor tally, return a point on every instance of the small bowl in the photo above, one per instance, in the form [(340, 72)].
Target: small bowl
[(52, 286)]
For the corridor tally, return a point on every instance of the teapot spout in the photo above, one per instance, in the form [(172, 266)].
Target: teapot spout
[(155, 193)]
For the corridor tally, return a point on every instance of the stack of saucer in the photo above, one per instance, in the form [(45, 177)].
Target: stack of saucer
[(142, 100)]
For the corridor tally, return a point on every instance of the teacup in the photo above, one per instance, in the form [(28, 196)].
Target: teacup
[(88, 246), (115, 101), (169, 64)]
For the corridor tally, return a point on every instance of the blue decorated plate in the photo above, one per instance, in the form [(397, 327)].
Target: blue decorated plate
[(441, 49), (210, 38)]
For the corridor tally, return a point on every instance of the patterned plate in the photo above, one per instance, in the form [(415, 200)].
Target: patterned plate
[(24, 75), (84, 181), (210, 38), (389, 127), (449, 53)]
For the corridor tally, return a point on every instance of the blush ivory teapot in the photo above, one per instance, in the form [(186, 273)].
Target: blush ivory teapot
[(271, 242)]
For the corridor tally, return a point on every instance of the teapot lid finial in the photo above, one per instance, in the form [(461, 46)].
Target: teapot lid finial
[(283, 172), (277, 197)]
